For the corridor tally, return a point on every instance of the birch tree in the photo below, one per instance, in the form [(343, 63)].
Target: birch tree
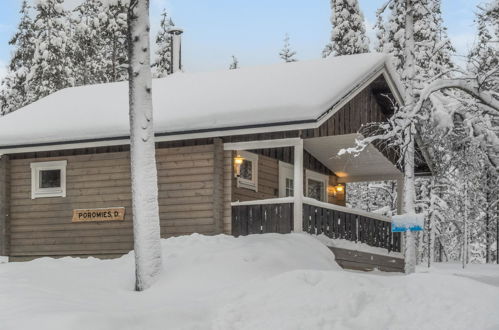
[(146, 229)]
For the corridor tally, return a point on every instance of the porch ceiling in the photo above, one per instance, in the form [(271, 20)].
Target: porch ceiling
[(369, 165)]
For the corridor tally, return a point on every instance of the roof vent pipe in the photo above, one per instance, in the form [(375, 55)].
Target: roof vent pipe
[(176, 49)]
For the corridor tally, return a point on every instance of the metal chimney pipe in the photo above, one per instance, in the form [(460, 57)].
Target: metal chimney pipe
[(176, 48)]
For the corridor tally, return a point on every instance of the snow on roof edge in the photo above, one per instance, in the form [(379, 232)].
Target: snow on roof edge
[(383, 66)]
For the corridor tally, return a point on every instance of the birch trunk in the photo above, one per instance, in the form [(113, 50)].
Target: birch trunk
[(146, 228), (409, 189)]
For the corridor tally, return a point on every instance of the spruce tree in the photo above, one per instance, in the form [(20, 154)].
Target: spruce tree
[(234, 64), (485, 53), (87, 44), (163, 63), (13, 93), (286, 53), (348, 35), (433, 49), (115, 29), (51, 68)]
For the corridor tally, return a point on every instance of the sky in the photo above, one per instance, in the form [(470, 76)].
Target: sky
[(253, 30)]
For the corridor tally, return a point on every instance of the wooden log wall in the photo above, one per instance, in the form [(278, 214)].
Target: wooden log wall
[(4, 205), (187, 196), (268, 182)]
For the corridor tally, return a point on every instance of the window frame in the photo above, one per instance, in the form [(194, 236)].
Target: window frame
[(286, 171), (37, 168), (253, 183), (317, 177)]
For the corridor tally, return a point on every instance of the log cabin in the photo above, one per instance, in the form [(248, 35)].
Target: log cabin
[(239, 152)]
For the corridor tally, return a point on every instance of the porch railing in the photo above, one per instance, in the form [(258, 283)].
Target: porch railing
[(262, 216), (336, 222)]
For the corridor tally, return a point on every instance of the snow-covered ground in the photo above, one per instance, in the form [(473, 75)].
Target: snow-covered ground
[(266, 281)]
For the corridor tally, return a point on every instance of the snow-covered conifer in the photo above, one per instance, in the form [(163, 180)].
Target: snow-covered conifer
[(163, 63), (88, 44), (234, 64), (51, 69), (113, 21), (14, 90), (286, 53), (348, 35)]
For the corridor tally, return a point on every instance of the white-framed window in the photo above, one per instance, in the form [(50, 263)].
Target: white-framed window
[(316, 185), (48, 179), (286, 179), (248, 171)]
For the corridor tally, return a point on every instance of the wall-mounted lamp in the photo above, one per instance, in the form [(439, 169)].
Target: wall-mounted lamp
[(335, 190), (238, 161)]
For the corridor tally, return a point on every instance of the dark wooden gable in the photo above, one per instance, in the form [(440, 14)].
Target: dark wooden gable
[(370, 105)]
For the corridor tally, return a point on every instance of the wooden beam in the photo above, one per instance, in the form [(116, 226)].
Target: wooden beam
[(4, 205), (298, 188), (263, 144), (369, 178)]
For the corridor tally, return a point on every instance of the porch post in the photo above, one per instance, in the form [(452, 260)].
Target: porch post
[(298, 187)]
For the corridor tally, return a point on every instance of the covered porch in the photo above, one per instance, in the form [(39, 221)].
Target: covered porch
[(299, 208)]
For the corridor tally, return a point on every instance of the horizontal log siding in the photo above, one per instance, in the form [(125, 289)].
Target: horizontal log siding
[(43, 226), (228, 178), (268, 182)]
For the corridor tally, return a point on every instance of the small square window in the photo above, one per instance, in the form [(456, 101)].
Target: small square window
[(48, 179), (248, 171)]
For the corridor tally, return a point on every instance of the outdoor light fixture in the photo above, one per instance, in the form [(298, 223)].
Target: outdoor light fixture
[(335, 190), (238, 161)]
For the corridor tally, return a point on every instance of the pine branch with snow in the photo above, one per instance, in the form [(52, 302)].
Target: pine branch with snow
[(348, 34), (286, 53), (163, 63), (234, 64)]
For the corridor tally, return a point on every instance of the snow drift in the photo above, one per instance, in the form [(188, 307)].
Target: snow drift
[(268, 281)]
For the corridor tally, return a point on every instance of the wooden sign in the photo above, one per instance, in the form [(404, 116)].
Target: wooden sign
[(91, 215)]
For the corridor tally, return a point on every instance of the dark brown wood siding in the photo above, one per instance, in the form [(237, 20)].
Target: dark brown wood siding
[(363, 109)]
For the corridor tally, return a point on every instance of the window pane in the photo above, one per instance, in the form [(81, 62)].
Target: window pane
[(50, 179), (289, 187), (246, 170), (315, 189)]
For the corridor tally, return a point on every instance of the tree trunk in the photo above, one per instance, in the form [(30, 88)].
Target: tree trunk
[(146, 229), (409, 189), (465, 231), (487, 218)]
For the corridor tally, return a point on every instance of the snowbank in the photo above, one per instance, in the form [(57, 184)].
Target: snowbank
[(266, 281)]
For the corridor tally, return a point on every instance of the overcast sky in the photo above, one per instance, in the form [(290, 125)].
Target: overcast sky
[(253, 30)]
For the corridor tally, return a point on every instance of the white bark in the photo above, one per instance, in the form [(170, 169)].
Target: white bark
[(409, 134), (465, 231), (146, 228), (298, 188)]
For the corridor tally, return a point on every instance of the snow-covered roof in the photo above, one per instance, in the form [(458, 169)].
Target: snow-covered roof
[(298, 92)]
